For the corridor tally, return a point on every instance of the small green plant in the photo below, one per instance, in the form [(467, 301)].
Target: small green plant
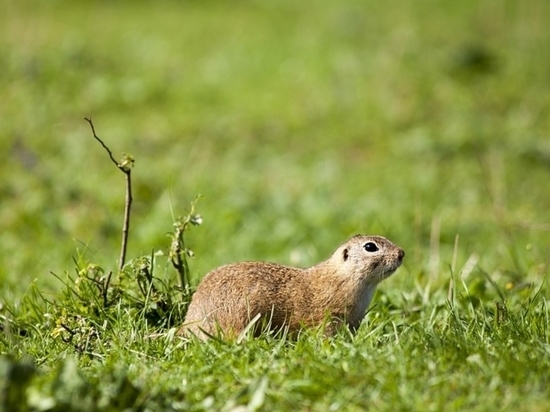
[(92, 300), (84, 317), (179, 252)]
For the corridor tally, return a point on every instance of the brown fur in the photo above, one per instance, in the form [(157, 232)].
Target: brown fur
[(338, 290)]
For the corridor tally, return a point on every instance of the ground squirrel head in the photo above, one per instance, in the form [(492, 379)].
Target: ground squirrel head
[(370, 259)]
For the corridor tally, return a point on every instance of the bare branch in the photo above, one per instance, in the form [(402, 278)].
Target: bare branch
[(89, 120), (124, 167), (126, 224)]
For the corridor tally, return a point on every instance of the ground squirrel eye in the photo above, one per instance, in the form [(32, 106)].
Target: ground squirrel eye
[(370, 247)]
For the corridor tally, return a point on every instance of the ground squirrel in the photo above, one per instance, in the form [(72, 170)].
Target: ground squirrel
[(334, 292)]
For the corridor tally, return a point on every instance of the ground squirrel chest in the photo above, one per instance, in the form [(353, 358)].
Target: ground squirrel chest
[(337, 291)]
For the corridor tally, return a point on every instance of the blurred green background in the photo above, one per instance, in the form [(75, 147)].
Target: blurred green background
[(301, 123)]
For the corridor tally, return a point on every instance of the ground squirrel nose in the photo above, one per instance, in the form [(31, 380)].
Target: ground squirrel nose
[(401, 254)]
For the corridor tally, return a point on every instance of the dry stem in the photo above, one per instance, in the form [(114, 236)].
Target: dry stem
[(124, 167)]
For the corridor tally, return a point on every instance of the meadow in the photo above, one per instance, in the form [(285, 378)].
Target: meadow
[(299, 124)]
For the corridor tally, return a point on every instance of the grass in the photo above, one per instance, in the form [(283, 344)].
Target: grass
[(301, 124)]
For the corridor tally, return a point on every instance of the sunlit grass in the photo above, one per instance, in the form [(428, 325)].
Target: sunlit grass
[(301, 124)]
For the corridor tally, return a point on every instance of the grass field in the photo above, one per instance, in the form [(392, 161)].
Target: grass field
[(301, 124)]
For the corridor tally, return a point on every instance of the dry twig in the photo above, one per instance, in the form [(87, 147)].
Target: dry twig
[(125, 166)]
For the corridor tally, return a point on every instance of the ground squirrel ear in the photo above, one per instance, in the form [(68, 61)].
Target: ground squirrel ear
[(345, 254)]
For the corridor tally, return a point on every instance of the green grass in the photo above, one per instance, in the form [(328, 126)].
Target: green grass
[(301, 124)]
